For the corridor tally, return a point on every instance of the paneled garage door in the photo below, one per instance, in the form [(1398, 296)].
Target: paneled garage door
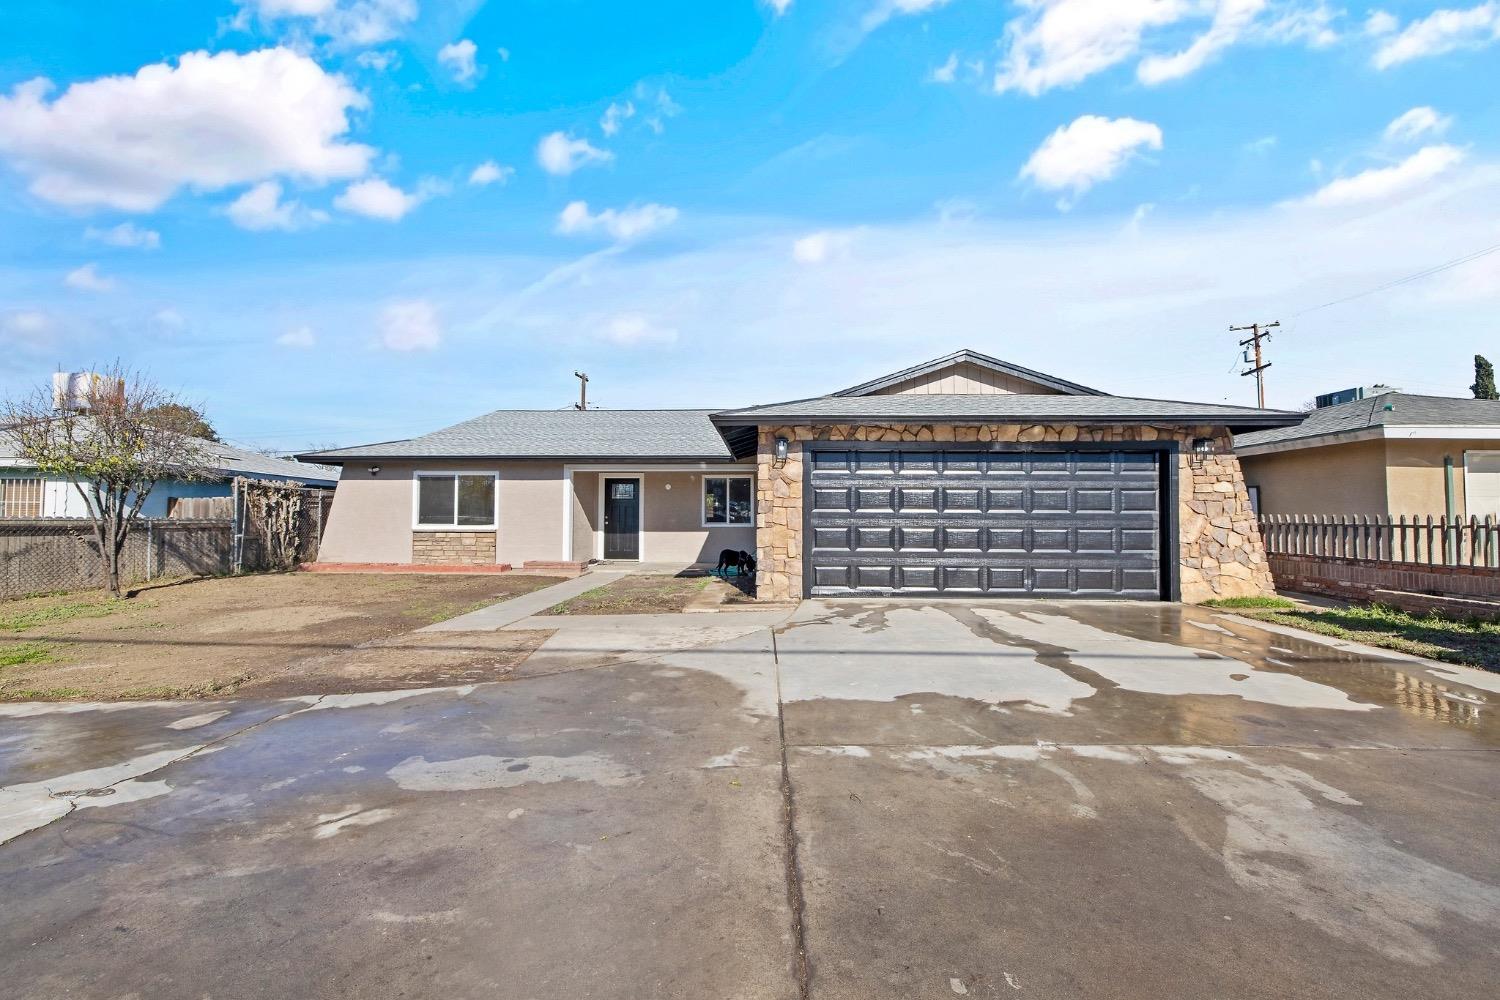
[(915, 522)]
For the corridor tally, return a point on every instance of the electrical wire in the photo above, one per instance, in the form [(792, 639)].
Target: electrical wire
[(1467, 258)]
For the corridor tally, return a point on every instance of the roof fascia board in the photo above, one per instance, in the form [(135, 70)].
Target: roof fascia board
[(1398, 432), (803, 420), (973, 357)]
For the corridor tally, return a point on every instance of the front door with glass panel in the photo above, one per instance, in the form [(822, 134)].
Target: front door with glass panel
[(622, 519)]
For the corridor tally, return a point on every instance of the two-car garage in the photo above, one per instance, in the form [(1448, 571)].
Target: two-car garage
[(1023, 522)]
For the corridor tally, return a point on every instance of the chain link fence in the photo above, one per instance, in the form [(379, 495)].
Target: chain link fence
[(44, 555)]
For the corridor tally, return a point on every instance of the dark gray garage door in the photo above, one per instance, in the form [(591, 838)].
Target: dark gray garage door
[(993, 524)]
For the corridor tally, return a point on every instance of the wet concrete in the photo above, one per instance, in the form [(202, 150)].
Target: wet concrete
[(1057, 800)]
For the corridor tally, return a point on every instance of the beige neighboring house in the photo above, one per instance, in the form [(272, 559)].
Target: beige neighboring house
[(962, 476), (1390, 454)]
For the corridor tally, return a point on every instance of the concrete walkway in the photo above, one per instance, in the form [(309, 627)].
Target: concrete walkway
[(508, 612)]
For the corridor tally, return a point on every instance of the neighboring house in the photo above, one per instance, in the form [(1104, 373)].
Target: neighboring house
[(25, 493), (1390, 454), (965, 475)]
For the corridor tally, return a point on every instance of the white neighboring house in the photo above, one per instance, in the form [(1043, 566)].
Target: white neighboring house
[(27, 493)]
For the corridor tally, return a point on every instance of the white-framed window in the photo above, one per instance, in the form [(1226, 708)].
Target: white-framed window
[(20, 496), (454, 501), (728, 500), (1481, 483)]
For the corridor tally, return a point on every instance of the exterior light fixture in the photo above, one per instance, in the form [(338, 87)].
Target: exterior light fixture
[(1203, 447), (780, 449), (374, 470)]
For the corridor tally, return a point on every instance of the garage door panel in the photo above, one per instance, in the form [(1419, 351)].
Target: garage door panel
[(930, 521)]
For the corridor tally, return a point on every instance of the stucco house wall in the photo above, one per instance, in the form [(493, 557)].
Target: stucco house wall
[(1219, 547), (671, 517), (1388, 476), (1338, 479)]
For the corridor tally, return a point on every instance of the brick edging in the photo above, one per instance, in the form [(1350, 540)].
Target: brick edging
[(437, 568)]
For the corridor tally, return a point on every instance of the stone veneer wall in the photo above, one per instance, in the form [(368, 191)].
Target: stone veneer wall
[(453, 548), (1220, 553)]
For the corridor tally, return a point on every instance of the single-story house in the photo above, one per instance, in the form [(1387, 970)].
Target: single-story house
[(1390, 454), (962, 476), (27, 493)]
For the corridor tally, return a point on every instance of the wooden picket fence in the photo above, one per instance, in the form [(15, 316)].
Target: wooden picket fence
[(1426, 540)]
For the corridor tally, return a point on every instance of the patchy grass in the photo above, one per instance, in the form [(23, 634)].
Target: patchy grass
[(56, 614), (26, 652), (1278, 603), (42, 694), (1474, 642), (637, 594)]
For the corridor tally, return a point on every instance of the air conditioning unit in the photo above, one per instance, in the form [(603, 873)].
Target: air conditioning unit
[(1350, 395)]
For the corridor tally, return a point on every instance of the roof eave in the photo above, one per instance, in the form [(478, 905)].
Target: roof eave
[(1243, 422), (344, 459)]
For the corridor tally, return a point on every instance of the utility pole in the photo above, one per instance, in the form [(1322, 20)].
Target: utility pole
[(583, 391), (1258, 332)]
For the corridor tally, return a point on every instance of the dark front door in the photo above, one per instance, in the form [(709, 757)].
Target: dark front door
[(622, 519), (1033, 523)]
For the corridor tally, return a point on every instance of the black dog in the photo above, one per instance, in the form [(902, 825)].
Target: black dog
[(742, 561)]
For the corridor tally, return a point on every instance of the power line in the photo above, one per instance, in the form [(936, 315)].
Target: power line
[(1476, 255)]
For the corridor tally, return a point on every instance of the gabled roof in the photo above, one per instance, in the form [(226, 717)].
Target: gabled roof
[(967, 356), (683, 435), (1425, 416), (1011, 408)]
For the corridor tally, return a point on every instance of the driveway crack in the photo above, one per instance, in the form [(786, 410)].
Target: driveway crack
[(794, 896)]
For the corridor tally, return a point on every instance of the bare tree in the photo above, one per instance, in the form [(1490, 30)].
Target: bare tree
[(113, 442)]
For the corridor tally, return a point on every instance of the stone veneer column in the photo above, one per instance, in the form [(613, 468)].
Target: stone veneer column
[(1220, 553)]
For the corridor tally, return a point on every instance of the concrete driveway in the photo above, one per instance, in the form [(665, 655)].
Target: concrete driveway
[(1050, 800)]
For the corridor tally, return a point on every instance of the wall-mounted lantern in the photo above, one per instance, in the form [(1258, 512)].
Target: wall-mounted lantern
[(1203, 447), (779, 449), (374, 470)]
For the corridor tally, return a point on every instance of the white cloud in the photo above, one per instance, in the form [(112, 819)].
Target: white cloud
[(300, 337), (658, 105), (377, 198), (351, 23), (28, 326), (884, 10), (410, 325), (779, 6), (1088, 150), (560, 154), (816, 248), (126, 234), (490, 172), (261, 209), (1383, 183), (503, 53), (459, 59), (1231, 19), (88, 279), (1439, 32), (169, 321), (210, 122), (632, 329), (1381, 22), (1416, 123), (1058, 43), (947, 72), (614, 115), (379, 60), (1261, 146), (624, 225)]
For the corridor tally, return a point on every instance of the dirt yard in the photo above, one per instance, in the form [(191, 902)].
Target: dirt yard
[(295, 633), (655, 593)]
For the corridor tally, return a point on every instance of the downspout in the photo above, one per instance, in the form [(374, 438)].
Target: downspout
[(1448, 510)]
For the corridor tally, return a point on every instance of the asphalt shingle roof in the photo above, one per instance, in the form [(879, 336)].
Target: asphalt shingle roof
[(640, 434), (1406, 410), (1008, 408)]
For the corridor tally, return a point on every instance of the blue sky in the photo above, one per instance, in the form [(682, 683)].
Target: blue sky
[(333, 221)]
